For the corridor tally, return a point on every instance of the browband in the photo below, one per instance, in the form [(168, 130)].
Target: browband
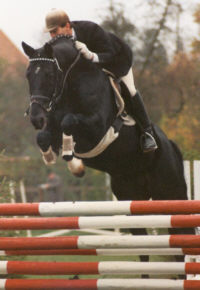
[(46, 59)]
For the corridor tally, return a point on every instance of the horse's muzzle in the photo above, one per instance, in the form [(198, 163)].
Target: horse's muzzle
[(38, 116), (38, 122)]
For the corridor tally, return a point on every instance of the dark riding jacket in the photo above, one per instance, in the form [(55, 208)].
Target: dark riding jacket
[(114, 54)]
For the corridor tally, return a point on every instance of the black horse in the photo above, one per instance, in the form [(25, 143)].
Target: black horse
[(71, 94)]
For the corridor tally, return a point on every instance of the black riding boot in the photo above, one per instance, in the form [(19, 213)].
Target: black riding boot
[(140, 115)]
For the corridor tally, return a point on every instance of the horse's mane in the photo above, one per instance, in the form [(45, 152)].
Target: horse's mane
[(58, 37)]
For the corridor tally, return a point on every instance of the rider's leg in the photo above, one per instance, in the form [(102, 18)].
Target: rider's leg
[(140, 114)]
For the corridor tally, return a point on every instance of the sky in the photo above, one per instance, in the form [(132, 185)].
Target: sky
[(23, 20)]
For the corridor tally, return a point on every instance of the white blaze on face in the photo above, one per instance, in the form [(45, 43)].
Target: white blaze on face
[(37, 70)]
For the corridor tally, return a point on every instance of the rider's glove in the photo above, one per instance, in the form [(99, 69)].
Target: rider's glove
[(86, 52)]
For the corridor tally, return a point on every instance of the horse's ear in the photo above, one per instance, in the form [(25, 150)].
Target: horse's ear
[(29, 51), (48, 50)]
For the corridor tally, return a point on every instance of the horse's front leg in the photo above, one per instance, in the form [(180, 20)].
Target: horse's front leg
[(44, 141), (75, 165), (67, 147), (86, 126), (69, 124)]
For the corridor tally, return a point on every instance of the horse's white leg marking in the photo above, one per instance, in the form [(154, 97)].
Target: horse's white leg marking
[(67, 145), (75, 165), (49, 157)]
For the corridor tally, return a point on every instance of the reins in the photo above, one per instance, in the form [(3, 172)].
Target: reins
[(65, 78)]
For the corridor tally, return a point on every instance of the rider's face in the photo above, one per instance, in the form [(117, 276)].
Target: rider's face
[(66, 30)]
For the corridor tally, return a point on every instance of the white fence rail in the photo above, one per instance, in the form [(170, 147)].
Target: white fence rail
[(192, 180)]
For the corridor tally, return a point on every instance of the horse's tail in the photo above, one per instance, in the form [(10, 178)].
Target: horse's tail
[(177, 150), (180, 158), (181, 166)]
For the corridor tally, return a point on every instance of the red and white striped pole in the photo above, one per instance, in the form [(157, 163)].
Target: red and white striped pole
[(101, 242), (105, 252), (98, 268), (105, 222), (102, 208), (99, 284)]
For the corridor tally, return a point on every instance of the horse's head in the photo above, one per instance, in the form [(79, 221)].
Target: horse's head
[(47, 74)]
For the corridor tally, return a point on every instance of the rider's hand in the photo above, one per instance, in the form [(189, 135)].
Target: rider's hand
[(86, 52)]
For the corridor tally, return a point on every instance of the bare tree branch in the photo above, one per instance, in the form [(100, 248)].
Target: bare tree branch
[(155, 37)]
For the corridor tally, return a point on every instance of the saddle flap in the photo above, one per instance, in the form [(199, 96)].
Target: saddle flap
[(126, 119)]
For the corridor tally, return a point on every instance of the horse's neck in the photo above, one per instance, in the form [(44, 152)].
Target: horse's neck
[(98, 85)]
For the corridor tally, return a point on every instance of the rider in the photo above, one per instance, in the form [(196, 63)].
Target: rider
[(112, 54)]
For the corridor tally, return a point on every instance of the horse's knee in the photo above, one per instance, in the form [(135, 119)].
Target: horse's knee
[(44, 140), (69, 123)]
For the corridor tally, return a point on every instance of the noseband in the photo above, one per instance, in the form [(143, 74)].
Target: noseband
[(56, 94)]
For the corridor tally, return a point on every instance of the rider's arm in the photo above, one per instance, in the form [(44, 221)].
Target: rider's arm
[(105, 45)]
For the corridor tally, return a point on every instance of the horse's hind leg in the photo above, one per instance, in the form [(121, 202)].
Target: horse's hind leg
[(144, 258), (131, 188), (177, 193), (181, 231), (185, 231)]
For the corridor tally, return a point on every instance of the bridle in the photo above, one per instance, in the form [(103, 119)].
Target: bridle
[(58, 92)]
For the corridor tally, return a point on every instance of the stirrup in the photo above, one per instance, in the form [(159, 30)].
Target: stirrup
[(148, 138)]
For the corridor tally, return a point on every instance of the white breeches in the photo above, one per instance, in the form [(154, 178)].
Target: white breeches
[(129, 82)]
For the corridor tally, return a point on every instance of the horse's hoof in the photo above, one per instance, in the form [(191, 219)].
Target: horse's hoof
[(77, 167), (79, 174), (49, 157), (67, 157), (145, 276), (74, 278)]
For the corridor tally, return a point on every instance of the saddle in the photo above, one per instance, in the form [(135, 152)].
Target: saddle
[(119, 88)]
